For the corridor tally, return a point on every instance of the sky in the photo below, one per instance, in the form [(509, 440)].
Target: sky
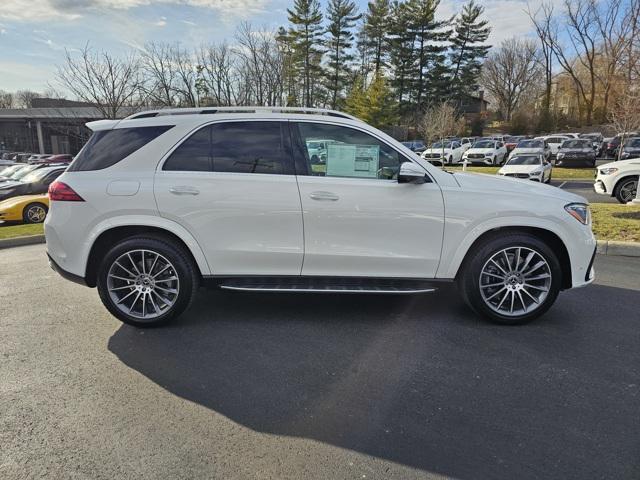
[(35, 33)]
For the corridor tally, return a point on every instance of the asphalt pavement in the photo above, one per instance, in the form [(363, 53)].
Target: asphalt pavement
[(315, 386)]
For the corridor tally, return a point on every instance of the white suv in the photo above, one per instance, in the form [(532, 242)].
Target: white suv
[(161, 200)]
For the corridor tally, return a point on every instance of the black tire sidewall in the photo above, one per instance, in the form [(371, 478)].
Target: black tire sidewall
[(184, 267), (619, 186), (470, 276)]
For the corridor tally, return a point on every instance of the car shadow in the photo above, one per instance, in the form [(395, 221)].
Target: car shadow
[(416, 380)]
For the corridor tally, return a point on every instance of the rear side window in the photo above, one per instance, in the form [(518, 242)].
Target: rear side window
[(107, 147), (238, 147)]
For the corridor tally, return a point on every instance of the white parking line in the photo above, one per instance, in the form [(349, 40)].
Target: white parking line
[(562, 184)]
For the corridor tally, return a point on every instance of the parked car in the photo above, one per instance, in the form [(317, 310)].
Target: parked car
[(486, 152), (568, 135), (596, 141), (417, 146), (26, 209), (35, 182), (528, 166), (512, 141), (22, 157), (612, 146), (618, 179), (532, 147), (60, 158), (38, 157), (446, 151), (161, 200), (631, 149), (15, 172), (554, 142), (6, 163), (467, 142), (576, 152)]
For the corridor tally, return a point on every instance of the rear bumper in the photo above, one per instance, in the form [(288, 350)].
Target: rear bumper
[(64, 274)]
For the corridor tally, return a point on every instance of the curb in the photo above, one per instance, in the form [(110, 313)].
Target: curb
[(20, 241), (605, 247), (621, 249)]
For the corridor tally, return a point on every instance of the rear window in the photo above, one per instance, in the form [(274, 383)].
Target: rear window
[(107, 147)]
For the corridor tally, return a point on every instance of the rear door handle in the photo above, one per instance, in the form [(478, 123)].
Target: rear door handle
[(184, 190), (332, 197)]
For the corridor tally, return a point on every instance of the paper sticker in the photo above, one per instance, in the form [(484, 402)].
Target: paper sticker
[(353, 160)]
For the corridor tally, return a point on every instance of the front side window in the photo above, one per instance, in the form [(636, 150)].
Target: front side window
[(238, 147), (347, 153)]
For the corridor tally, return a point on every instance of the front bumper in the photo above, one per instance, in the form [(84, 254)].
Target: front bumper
[(600, 187)]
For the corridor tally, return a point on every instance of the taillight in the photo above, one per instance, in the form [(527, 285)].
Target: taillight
[(61, 192)]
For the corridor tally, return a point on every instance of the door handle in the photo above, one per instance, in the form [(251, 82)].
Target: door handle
[(184, 190), (324, 196)]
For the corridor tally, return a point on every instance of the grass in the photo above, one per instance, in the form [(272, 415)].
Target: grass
[(558, 173), (21, 230), (616, 222)]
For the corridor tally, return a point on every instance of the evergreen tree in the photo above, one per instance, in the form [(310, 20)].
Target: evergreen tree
[(375, 32), (468, 50), (342, 15), (401, 52), (305, 37), (375, 104)]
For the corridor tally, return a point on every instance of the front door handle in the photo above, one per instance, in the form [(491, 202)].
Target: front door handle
[(332, 197), (184, 190)]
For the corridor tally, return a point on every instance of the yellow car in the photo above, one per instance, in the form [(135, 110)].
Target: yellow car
[(26, 208)]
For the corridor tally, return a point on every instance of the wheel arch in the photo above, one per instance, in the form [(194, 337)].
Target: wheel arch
[(114, 234), (547, 236), (627, 176)]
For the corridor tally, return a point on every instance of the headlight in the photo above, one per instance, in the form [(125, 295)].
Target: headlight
[(608, 171), (560, 155), (488, 154), (535, 173), (580, 212)]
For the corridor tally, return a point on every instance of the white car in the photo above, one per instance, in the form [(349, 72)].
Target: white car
[(554, 142), (618, 179), (528, 166), (532, 147), (486, 152), (158, 202), (446, 152)]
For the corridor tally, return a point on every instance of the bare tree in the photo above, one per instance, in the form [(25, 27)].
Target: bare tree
[(440, 121), (625, 115), (6, 99), (159, 73), (24, 98), (107, 82), (542, 21), (511, 72), (218, 74)]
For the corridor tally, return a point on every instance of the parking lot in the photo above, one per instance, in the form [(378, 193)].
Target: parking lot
[(314, 386)]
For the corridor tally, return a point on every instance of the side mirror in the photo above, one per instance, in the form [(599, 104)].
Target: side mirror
[(411, 173)]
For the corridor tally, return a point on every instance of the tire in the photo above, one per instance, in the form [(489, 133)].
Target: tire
[(450, 159), (626, 189), (167, 284), (34, 213), (489, 301)]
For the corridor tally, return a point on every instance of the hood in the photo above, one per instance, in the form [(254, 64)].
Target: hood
[(437, 150), (497, 184), (520, 168), (618, 164), (527, 150), (480, 150), (9, 184)]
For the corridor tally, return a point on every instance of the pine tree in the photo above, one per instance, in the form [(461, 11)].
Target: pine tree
[(375, 32), (342, 15), (468, 50), (375, 104), (401, 52), (305, 36)]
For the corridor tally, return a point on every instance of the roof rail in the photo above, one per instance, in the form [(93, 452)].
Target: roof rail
[(214, 110)]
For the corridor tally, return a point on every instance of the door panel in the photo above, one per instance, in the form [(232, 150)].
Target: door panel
[(246, 221)]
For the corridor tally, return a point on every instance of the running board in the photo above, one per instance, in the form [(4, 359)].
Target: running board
[(327, 285)]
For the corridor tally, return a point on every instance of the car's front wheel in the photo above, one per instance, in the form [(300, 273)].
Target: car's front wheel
[(626, 189), (147, 281), (34, 213), (511, 279)]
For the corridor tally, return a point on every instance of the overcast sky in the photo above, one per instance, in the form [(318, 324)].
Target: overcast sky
[(34, 33)]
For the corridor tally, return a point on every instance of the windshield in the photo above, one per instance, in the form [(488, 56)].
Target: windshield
[(531, 144), (36, 175), (18, 174), (484, 144), (7, 171), (441, 145), (576, 144), (525, 160)]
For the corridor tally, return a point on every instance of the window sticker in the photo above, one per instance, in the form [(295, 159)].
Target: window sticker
[(353, 160)]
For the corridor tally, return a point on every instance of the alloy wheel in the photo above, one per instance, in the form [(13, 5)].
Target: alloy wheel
[(515, 281), (36, 214), (629, 190), (143, 284)]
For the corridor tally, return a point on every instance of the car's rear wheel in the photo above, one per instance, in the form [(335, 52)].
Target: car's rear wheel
[(34, 213), (626, 189), (147, 281), (511, 279)]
